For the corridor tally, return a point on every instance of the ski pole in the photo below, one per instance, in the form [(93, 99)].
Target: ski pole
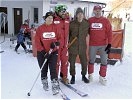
[(29, 93), (72, 42)]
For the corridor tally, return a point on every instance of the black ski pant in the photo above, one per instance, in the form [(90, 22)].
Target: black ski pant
[(22, 44), (51, 63)]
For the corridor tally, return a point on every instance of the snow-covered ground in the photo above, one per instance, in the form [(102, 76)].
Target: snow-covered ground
[(18, 72)]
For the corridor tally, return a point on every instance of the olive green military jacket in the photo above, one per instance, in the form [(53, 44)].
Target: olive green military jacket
[(79, 30)]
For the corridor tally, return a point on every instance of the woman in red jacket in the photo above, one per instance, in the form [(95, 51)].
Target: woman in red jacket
[(100, 31), (46, 40)]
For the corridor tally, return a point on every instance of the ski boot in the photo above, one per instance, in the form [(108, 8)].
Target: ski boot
[(55, 86), (90, 77), (103, 80), (26, 50), (45, 83), (65, 80), (15, 50)]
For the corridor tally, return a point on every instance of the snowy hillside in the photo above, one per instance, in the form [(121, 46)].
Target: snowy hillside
[(18, 72)]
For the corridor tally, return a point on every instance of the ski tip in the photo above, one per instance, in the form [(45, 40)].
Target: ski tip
[(84, 95), (1, 51)]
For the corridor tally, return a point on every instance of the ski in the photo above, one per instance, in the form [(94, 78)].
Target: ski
[(1, 51), (63, 95), (82, 94)]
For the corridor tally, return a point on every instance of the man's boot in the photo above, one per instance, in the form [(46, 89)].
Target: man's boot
[(85, 79), (73, 80), (102, 73), (103, 80), (90, 77)]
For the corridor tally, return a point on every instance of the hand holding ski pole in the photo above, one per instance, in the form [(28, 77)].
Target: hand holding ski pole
[(46, 55)]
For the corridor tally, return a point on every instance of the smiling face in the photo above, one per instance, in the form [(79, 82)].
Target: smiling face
[(62, 14), (80, 17), (61, 10), (98, 13), (49, 20)]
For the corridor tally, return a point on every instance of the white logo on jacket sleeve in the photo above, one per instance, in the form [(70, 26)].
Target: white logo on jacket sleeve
[(66, 21), (96, 25), (56, 22), (49, 35)]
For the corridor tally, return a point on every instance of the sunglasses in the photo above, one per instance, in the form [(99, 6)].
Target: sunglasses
[(63, 11)]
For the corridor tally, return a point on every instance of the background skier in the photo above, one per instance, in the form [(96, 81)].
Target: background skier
[(20, 40), (27, 29)]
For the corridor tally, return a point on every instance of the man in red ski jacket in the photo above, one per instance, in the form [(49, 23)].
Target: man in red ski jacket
[(100, 31), (61, 19), (47, 40)]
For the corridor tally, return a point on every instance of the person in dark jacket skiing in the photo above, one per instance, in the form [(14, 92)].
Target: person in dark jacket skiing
[(20, 40), (47, 39), (79, 31), (61, 19), (100, 31)]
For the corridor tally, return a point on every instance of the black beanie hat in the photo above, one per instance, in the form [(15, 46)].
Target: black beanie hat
[(49, 14), (79, 10)]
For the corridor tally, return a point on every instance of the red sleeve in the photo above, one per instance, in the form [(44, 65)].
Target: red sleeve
[(58, 34), (38, 40), (109, 31)]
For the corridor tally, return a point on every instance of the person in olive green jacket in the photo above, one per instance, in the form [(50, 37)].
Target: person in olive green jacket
[(78, 31)]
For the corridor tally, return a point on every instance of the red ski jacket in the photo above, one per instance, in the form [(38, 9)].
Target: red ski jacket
[(26, 27), (45, 35), (63, 27), (100, 31)]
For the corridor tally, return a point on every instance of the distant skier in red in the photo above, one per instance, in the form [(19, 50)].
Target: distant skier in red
[(25, 26)]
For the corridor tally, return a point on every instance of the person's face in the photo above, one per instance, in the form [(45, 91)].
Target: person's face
[(25, 23), (49, 20), (97, 12), (62, 14), (80, 16)]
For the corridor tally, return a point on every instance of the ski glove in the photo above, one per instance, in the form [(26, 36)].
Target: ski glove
[(107, 49), (54, 44)]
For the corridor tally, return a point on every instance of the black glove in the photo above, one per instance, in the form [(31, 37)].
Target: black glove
[(57, 43), (54, 44), (46, 55), (107, 49)]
